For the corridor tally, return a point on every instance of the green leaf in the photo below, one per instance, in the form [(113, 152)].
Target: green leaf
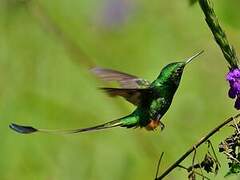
[(234, 168)]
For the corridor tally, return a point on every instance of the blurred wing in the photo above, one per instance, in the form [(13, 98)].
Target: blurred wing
[(135, 96), (125, 80)]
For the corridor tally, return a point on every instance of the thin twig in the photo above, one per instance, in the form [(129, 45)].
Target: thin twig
[(194, 155), (200, 168), (158, 165), (235, 123), (214, 153), (194, 172), (200, 142), (231, 157)]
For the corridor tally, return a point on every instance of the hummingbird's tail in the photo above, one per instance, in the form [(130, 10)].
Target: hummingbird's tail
[(29, 129)]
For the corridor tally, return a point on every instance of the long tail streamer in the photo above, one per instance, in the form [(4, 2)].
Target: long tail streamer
[(29, 129)]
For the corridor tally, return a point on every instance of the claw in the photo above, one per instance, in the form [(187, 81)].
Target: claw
[(162, 126)]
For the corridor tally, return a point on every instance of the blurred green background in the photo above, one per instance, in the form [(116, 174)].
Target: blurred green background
[(46, 50)]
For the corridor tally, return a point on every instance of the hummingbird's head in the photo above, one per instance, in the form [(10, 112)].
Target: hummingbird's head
[(171, 74)]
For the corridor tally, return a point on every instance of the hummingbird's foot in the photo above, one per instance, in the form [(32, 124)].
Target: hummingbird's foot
[(162, 126), (152, 125)]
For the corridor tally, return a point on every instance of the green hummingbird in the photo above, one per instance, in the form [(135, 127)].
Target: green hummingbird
[(152, 99)]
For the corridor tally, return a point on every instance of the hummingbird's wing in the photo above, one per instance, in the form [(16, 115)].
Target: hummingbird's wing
[(135, 96), (125, 80)]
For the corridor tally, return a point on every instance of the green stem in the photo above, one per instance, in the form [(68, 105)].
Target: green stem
[(218, 33)]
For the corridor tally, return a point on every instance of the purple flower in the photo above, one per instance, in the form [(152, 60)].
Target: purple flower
[(233, 78)]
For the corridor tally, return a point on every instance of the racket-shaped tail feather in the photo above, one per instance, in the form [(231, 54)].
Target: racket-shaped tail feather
[(129, 121)]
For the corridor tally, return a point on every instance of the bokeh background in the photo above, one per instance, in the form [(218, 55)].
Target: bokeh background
[(46, 51)]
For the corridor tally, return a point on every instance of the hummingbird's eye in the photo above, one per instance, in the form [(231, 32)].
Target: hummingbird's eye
[(180, 69)]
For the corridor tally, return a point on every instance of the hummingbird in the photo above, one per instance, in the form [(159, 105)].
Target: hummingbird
[(152, 99)]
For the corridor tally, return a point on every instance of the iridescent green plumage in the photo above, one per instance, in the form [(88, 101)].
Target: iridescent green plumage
[(152, 99)]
